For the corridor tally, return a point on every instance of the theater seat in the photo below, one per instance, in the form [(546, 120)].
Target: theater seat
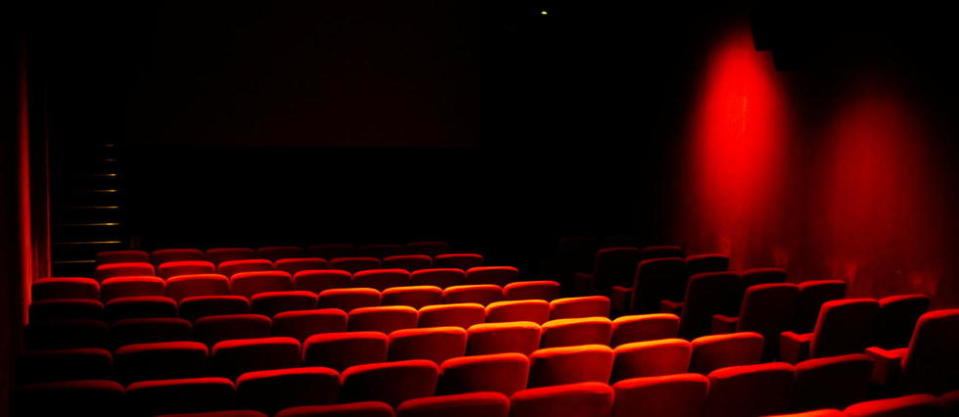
[(432, 343), (816, 413), (248, 284), (581, 331), (150, 398), (280, 252), (749, 390), (416, 296), (87, 398), (756, 276), (65, 334), (588, 399), (439, 277), (231, 358), (193, 308), (355, 263), (536, 311), (184, 286), (305, 323), (930, 363), (274, 302), (119, 287), (812, 294), (381, 279), (460, 315), (897, 318), (844, 326), (480, 294), (531, 290), (294, 265), (54, 288), (380, 381), (125, 269), (384, 319), (661, 251), (120, 256), (65, 309), (345, 349), (707, 294), (164, 360), (408, 262), (462, 261), (518, 336), (679, 395), (719, 351), (64, 365), (213, 329), (496, 275), (229, 268), (505, 373), (570, 364), (642, 327), (357, 409), (161, 256), (576, 307), (228, 413), (172, 269), (950, 403), (833, 382), (140, 307), (767, 309), (477, 404), (429, 247), (650, 358), (332, 250), (319, 281), (653, 280), (273, 390), (150, 330), (706, 262), (382, 250), (220, 255), (613, 266), (349, 299), (920, 405)]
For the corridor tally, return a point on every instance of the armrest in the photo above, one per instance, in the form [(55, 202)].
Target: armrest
[(670, 306), (794, 347), (888, 364), (724, 324), (621, 298)]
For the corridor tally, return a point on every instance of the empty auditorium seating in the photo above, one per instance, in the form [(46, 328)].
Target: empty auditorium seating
[(497, 275), (439, 277), (305, 323), (213, 329), (896, 319), (140, 307), (161, 256), (611, 267), (708, 294), (124, 269), (149, 398), (480, 294), (505, 373), (531, 290), (381, 279), (432, 343), (250, 283), (163, 360), (415, 296), (54, 288), (348, 299), (756, 276), (642, 327), (488, 338), (184, 286), (570, 364), (767, 309), (134, 286), (357, 409), (121, 256), (172, 269), (229, 268), (63, 334), (384, 319), (273, 390), (844, 326), (220, 255), (710, 353), (355, 263), (650, 358), (294, 265), (462, 261), (654, 280), (920, 405), (536, 311), (749, 390), (65, 309), (479, 404), (230, 358), (64, 365), (574, 307), (460, 315), (833, 382), (579, 331), (661, 251), (279, 252), (812, 294), (87, 398), (408, 262), (192, 308), (319, 281), (930, 363), (273, 302), (377, 381), (706, 262), (588, 399), (343, 350), (679, 395), (150, 330)]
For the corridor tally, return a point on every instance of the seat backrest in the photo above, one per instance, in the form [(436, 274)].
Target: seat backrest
[(480, 293), (679, 395), (460, 315), (580, 331), (707, 294), (274, 253), (88, 398), (274, 302), (462, 261), (662, 251), (433, 343), (219, 255), (65, 309), (587, 399), (756, 276), (193, 308), (505, 373), (408, 262), (440, 277), (642, 327), (532, 290), (381, 279), (384, 319), (54, 288), (138, 286), (536, 311), (769, 309), (570, 364), (415, 296), (161, 256), (183, 286), (213, 329), (710, 353), (38, 366), (348, 299), (140, 307), (477, 404), (657, 279), (164, 360), (150, 330), (576, 307), (749, 390), (229, 268), (650, 358), (302, 324), (833, 382), (294, 265), (518, 336), (357, 409), (119, 256), (497, 275), (321, 280), (919, 405), (181, 396), (706, 262), (254, 282), (844, 326), (174, 268), (812, 294), (931, 364), (897, 318), (390, 382), (345, 349), (355, 263), (230, 358), (615, 266), (273, 390), (124, 269)]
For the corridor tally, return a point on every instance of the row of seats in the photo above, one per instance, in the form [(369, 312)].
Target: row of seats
[(271, 252), (479, 389)]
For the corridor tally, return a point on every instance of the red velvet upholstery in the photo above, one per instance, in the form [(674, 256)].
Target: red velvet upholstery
[(707, 294), (589, 399), (488, 338), (679, 395), (478, 404), (415, 296), (719, 351), (358, 409), (379, 381), (250, 283), (642, 327), (706, 262), (184, 286), (496, 275), (124, 269), (950, 403), (536, 311), (812, 294), (343, 350), (500, 372), (833, 382), (321, 280), (756, 276), (381, 279), (570, 364), (161, 256), (462, 261), (64, 365), (569, 332), (654, 280), (480, 294), (384, 319), (897, 318), (230, 358), (408, 262), (274, 302), (59, 288), (172, 269), (149, 398), (150, 330), (213, 329), (273, 390), (576, 307), (931, 363), (767, 309), (355, 263), (433, 343), (118, 287), (348, 299), (460, 315), (749, 390), (532, 290), (64, 334), (439, 277), (920, 405), (305, 323), (65, 309), (140, 307), (229, 268), (844, 326), (294, 265), (650, 358), (164, 360), (614, 266), (192, 308)]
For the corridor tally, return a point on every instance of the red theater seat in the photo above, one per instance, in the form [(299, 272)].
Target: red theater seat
[(897, 318), (706, 262), (480, 294), (192, 308), (834, 382), (570, 364), (950, 402), (505, 373), (332, 250), (460, 315), (60, 288), (348, 299), (613, 266), (429, 247), (756, 276), (576, 307), (273, 390), (531, 290), (124, 269), (767, 309), (708, 294), (920, 405), (661, 251), (122, 256), (150, 330), (844, 326), (119, 287), (812, 294), (719, 351), (536, 311), (581, 331), (478, 404), (654, 280), (343, 350), (64, 334), (588, 399), (280, 252), (642, 327), (355, 263), (680, 395), (164, 360), (184, 286), (408, 262), (65, 309), (651, 358), (416, 297), (497, 275), (140, 307), (220, 255), (161, 256), (249, 283), (172, 269), (749, 390), (213, 329), (358, 409), (305, 323), (488, 338), (390, 382), (149, 398), (319, 281), (433, 343), (294, 265), (382, 250), (930, 363), (274, 302), (89, 398), (234, 357), (229, 268), (64, 365), (381, 279), (817, 413), (439, 277), (384, 319), (462, 261)]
